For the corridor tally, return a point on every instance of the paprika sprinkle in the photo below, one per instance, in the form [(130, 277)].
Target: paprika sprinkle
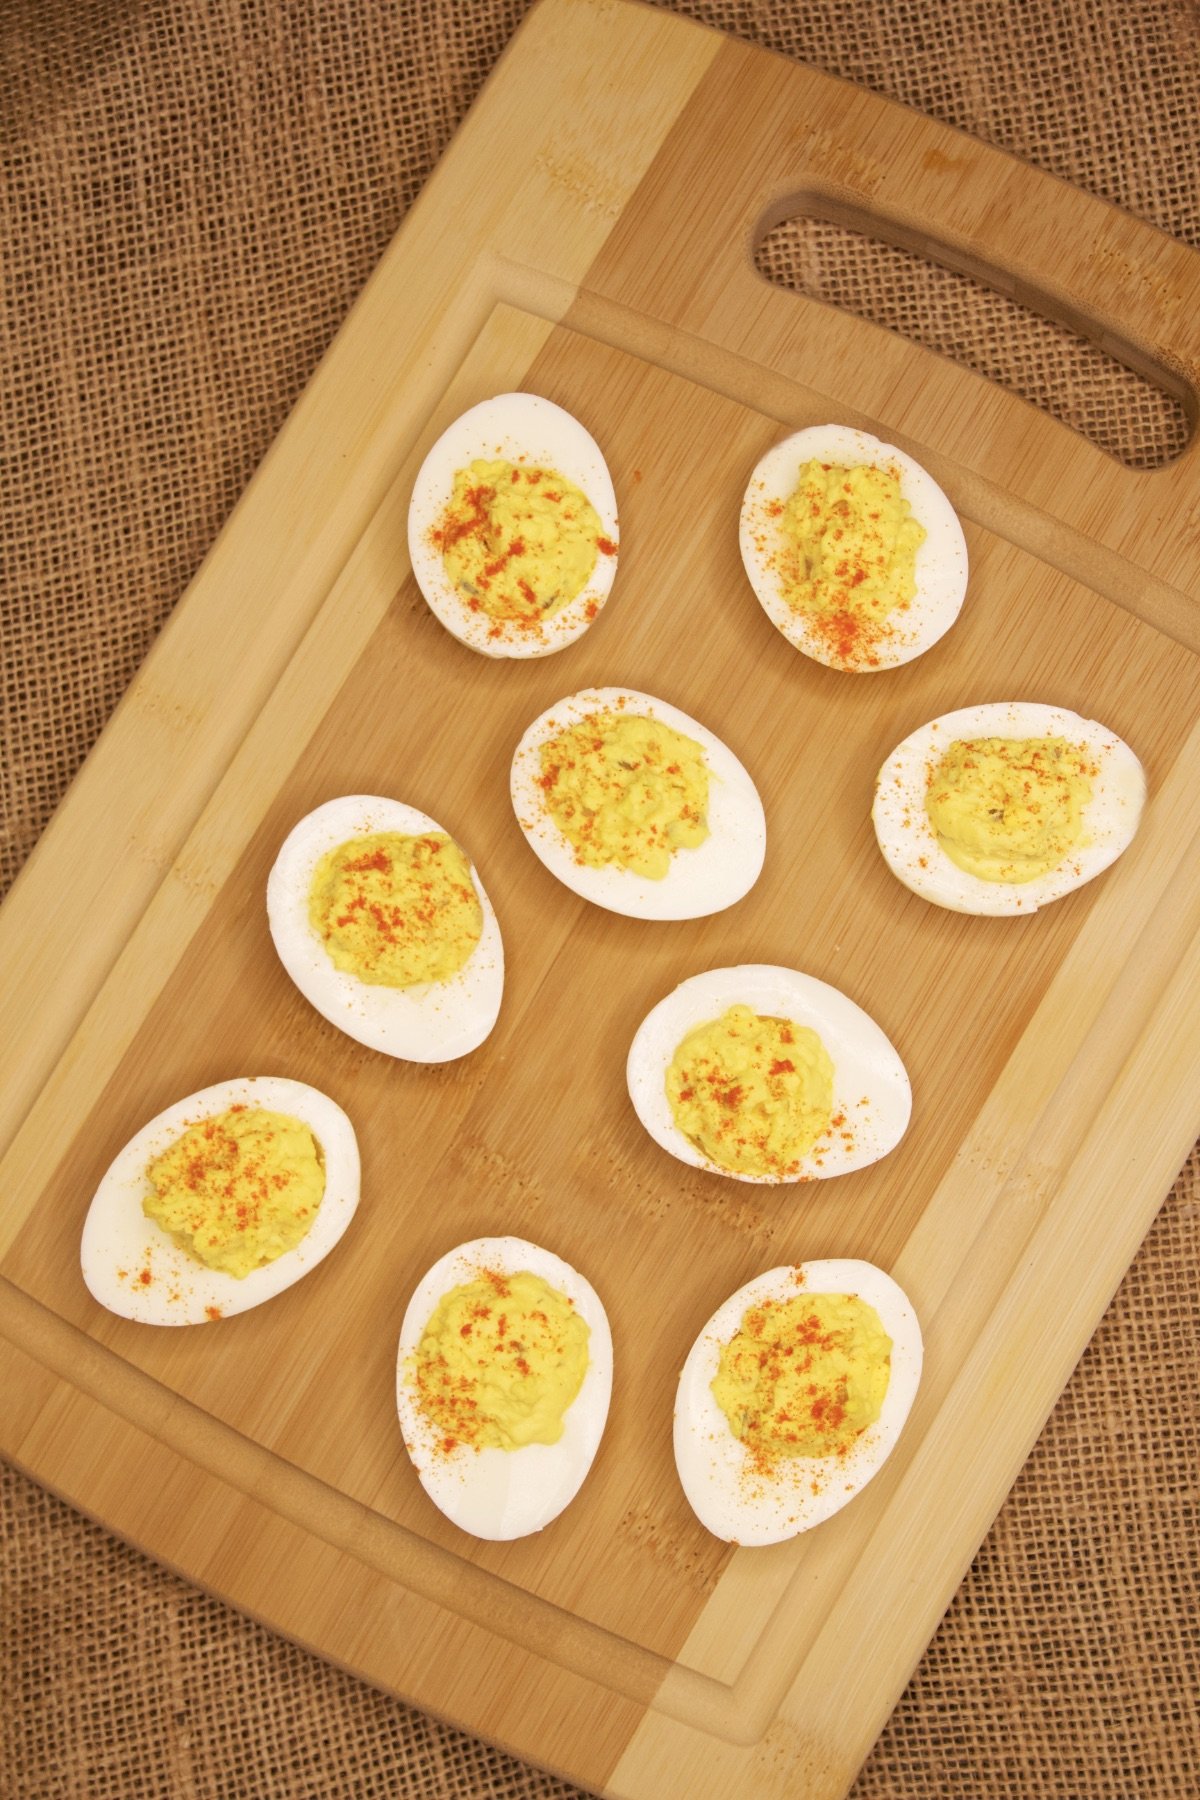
[(499, 1362), (744, 1105), (803, 1377), (625, 790), (1010, 809), (237, 1190), (396, 909), (847, 556), (518, 542)]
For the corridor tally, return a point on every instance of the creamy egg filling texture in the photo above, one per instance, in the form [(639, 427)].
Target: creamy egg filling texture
[(1010, 809), (396, 910), (239, 1189), (500, 1361), (626, 790), (803, 1376), (518, 543), (752, 1093), (847, 552), (637, 806)]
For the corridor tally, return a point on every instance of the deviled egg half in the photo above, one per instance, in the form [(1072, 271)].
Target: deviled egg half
[(793, 1397), (1001, 808), (221, 1202), (637, 807), (503, 1381), (767, 1075), (384, 926), (512, 528), (853, 551)]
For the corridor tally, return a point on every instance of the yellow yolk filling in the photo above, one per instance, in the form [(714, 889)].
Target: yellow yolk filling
[(626, 789), (752, 1093), (395, 910), (239, 1189), (518, 543), (847, 552), (1010, 809), (500, 1361), (804, 1377)]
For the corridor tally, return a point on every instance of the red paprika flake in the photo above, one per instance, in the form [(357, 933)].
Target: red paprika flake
[(852, 638)]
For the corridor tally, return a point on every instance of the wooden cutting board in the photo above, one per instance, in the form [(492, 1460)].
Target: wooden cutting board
[(589, 237)]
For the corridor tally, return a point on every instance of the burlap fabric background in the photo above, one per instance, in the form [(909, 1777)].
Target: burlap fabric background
[(193, 196)]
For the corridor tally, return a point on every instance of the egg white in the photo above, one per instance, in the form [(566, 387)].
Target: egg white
[(866, 1067), (494, 1493), (941, 561), (430, 1022), (729, 1497), (909, 843), (701, 881), (519, 428), (118, 1236)]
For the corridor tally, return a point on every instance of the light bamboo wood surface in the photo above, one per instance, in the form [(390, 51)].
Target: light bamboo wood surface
[(589, 237)]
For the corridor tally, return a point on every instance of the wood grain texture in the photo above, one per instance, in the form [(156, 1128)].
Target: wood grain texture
[(602, 259), (526, 181)]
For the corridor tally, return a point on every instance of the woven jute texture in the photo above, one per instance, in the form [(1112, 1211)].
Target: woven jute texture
[(193, 196)]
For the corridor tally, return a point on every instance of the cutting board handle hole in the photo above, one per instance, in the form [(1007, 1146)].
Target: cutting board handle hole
[(1119, 409)]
